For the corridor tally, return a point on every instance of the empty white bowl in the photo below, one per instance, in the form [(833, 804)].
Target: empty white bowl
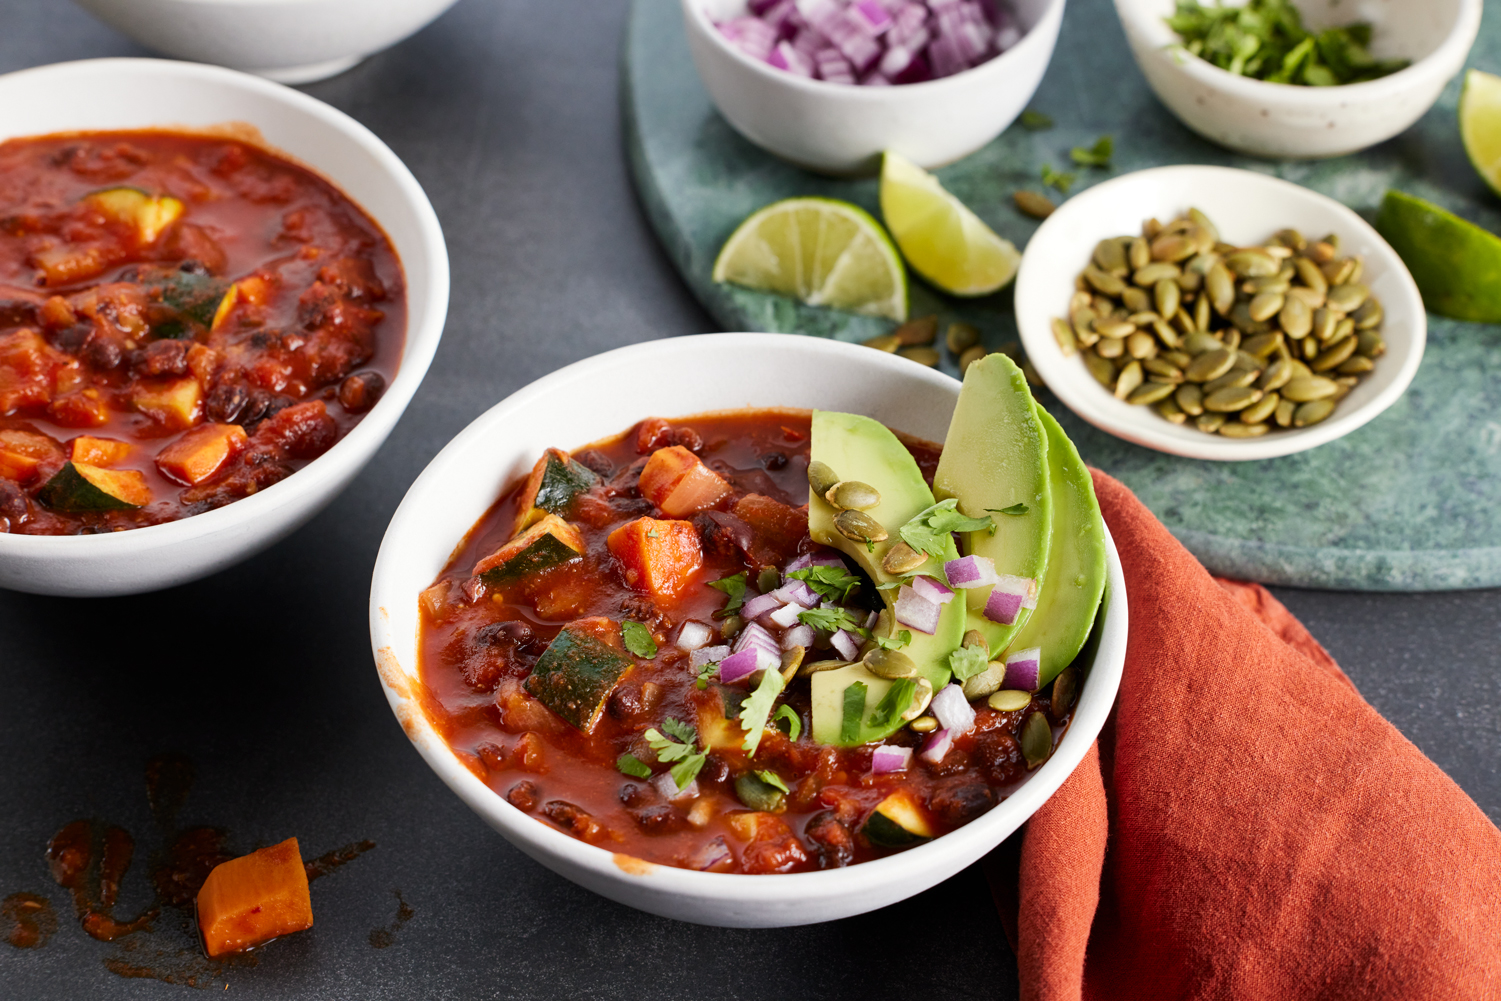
[(1296, 122), (290, 41), (602, 396), (1247, 208), (100, 94), (842, 129)]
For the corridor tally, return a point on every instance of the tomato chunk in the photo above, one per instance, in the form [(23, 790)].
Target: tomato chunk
[(202, 452), (253, 899), (23, 452), (679, 483), (658, 556)]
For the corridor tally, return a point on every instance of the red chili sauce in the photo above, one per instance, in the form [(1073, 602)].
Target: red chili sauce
[(184, 320), (478, 643)]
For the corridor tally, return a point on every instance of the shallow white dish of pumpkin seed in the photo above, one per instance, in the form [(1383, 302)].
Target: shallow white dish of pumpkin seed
[(1247, 208)]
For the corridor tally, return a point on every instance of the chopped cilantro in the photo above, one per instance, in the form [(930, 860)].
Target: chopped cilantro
[(631, 765), (834, 583), (929, 532), (652, 533), (1057, 179), (772, 779), (968, 661), (898, 641), (734, 587), (1035, 121), (756, 711), (688, 761), (1097, 155), (638, 639), (794, 726), (828, 619), (682, 731), (1014, 509), (897, 699), (704, 674), (854, 708)]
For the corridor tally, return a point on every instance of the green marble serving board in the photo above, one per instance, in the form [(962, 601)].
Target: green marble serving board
[(1411, 501)]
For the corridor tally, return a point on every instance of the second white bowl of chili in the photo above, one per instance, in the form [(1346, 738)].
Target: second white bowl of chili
[(600, 398)]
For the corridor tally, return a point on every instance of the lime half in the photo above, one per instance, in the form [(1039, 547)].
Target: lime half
[(943, 240), (819, 250), (1480, 124), (1456, 264)]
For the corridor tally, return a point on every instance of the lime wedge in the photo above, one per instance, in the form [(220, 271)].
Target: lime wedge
[(819, 250), (943, 240), (1456, 264), (1480, 124)]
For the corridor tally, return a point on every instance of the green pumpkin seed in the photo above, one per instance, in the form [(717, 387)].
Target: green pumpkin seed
[(1291, 239), (1243, 321), (852, 495), (1151, 392), (1201, 264), (1190, 398), (1151, 228), (885, 342), (1166, 334), (1313, 300), (1197, 344), (1184, 321), (1300, 371), (1357, 271), (1190, 282), (820, 477), (1209, 423), (1261, 409), (1103, 281), (1153, 273), (1144, 319), (815, 666), (1276, 376), (1064, 334), (921, 355), (1138, 253), (1229, 400), (1201, 312), (1276, 251), (1312, 413), (1101, 368), (918, 332), (1231, 337), (1163, 368), (923, 724), (962, 336), (1034, 204), (903, 559), (977, 352), (1136, 300), (1110, 256), (1202, 221), (1262, 345), (1323, 251), (1265, 306), (1036, 739), (1344, 328), (1356, 365), (1339, 271), (976, 639), (1310, 347), (1141, 345), (1220, 288), (1179, 359), (857, 526), (792, 660), (1371, 344), (1296, 319), (1173, 247), (1009, 700), (891, 664), (1252, 264), (1311, 275), (1369, 315), (1284, 415), (1110, 347), (1128, 380), (1236, 378), (1114, 328), (1080, 300), (920, 700), (1324, 322), (1305, 389), (1170, 410), (1210, 365), (1082, 320), (1348, 298), (1235, 429), (1256, 286), (1334, 356)]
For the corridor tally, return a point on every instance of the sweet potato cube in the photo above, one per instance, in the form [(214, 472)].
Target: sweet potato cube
[(679, 483), (98, 451), (253, 899), (22, 452), (658, 556), (176, 404), (200, 454)]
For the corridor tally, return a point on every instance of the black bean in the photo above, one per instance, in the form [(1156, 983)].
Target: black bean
[(359, 392), (226, 402), (595, 460), (774, 460), (523, 795), (960, 802), (831, 841)]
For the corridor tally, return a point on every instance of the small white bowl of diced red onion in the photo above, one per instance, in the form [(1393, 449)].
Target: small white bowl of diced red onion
[(831, 84)]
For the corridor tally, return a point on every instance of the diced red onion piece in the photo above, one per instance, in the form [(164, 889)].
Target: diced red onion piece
[(847, 643), (874, 14), (913, 610), (707, 655), (712, 854), (1022, 669), (809, 40), (870, 620), (944, 57), (739, 665), (1009, 596), (800, 562), (953, 710), (799, 592), (786, 616), (826, 558), (1025, 586), (875, 78), (758, 606), (801, 635), (971, 571), (1007, 38), (755, 635), (693, 635), (936, 748), (890, 759), (760, 7), (933, 590), (669, 789)]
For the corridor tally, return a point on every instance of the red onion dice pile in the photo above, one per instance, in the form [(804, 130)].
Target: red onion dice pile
[(875, 43)]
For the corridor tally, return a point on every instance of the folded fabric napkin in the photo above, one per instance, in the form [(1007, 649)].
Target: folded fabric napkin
[(1247, 826)]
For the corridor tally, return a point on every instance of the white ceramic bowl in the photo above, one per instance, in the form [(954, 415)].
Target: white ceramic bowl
[(139, 93), (605, 395), (1247, 208), (290, 41), (842, 129), (1283, 120)]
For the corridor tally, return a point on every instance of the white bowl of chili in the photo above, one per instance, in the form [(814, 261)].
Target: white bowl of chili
[(600, 397), (142, 94)]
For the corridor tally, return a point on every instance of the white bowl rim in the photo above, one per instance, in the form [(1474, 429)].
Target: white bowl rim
[(531, 833), (421, 336), (1450, 52), (1069, 386), (873, 95)]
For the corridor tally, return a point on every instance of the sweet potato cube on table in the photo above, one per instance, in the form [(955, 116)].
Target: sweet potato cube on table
[(658, 556), (549, 543), (98, 451), (679, 483), (176, 404), (200, 454), (253, 899)]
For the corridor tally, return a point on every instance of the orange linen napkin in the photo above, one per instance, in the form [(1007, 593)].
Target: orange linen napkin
[(1247, 826)]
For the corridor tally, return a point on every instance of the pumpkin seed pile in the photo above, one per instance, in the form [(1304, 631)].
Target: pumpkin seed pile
[(1238, 339)]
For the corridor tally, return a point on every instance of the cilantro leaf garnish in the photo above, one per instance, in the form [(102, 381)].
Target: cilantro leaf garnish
[(968, 661), (704, 674), (828, 619), (1014, 509), (682, 731), (833, 583), (734, 587), (688, 761), (929, 532), (772, 779), (631, 765), (896, 642), (638, 639), (794, 726), (1097, 155), (854, 708), (897, 699), (1057, 179), (755, 712), (1035, 121)]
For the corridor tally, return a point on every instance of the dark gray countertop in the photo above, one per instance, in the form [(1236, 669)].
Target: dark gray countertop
[(261, 676)]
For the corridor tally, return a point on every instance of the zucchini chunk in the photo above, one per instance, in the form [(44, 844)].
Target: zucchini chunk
[(555, 483), (79, 488), (549, 543), (898, 822), (577, 673)]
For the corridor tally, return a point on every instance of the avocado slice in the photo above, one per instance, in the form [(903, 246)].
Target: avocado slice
[(1070, 591), (995, 458), (858, 448)]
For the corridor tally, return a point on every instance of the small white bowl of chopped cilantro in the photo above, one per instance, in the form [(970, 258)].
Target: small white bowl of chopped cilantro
[(1299, 80)]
